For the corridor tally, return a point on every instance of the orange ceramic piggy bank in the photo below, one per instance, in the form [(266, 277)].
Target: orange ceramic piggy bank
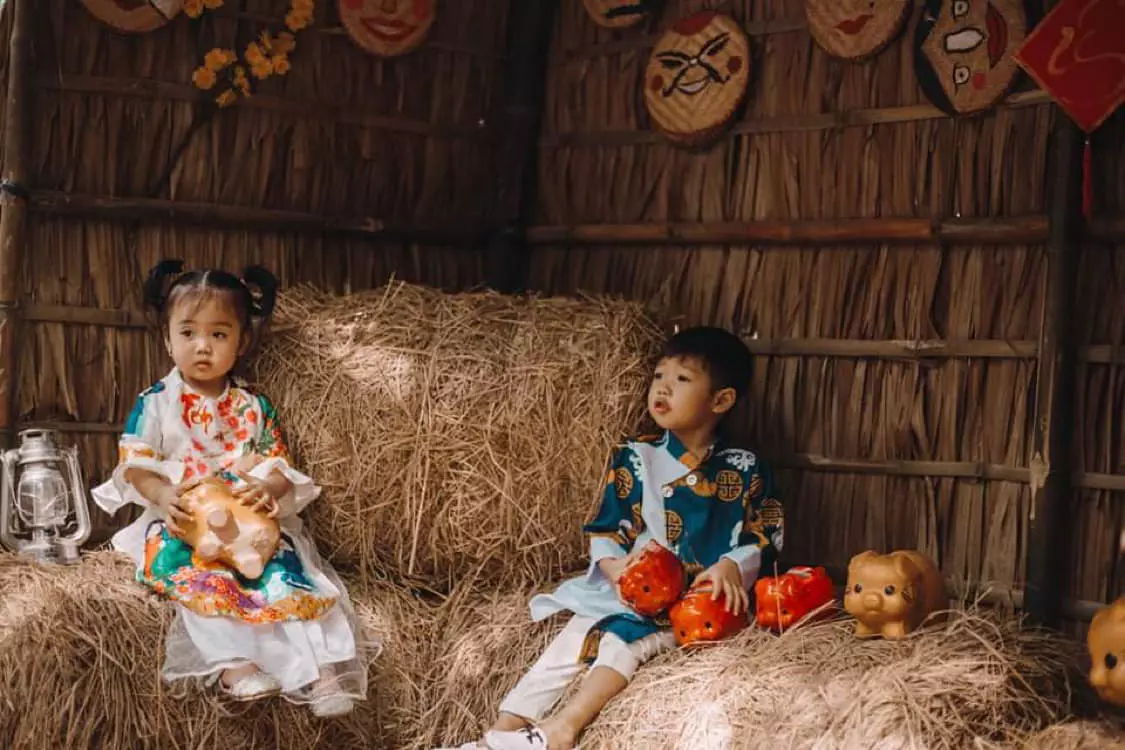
[(223, 529), (890, 595), (1106, 643), (697, 617), (653, 581), (781, 601)]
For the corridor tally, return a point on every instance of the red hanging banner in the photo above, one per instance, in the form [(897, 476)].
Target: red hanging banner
[(1077, 55)]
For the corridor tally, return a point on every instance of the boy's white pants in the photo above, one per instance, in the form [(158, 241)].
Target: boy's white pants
[(547, 680)]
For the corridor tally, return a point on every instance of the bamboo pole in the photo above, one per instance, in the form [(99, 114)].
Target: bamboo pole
[(521, 115), (13, 202), (146, 88), (212, 215), (788, 123), (1054, 407), (1019, 230)]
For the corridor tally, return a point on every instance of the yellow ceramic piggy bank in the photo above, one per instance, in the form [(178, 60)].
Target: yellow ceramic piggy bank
[(223, 529), (1106, 642), (890, 595)]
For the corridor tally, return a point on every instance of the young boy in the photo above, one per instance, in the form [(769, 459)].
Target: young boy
[(711, 505)]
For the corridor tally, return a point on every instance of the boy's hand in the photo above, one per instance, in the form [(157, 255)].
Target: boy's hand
[(169, 499), (612, 568), (726, 581)]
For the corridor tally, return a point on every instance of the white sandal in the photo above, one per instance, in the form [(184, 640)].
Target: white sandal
[(528, 738), (331, 706), (252, 687)]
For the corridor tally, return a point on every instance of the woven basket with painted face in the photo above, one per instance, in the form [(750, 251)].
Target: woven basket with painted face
[(134, 16), (964, 52), (855, 29), (387, 28), (697, 77)]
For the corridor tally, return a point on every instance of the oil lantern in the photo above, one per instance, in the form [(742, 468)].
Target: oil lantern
[(42, 497)]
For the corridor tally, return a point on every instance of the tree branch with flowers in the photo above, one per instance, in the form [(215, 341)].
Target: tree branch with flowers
[(231, 75)]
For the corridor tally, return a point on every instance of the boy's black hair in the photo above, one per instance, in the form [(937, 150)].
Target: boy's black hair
[(723, 355)]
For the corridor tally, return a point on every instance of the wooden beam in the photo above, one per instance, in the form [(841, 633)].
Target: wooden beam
[(73, 314), (13, 198), (1107, 229), (1054, 397), (787, 123), (645, 42), (898, 468), (530, 25), (211, 215), (147, 88), (1018, 230), (894, 349), (37, 312)]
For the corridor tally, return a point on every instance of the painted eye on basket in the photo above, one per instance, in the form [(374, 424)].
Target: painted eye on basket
[(960, 8), (961, 75)]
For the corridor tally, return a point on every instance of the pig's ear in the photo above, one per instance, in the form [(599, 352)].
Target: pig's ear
[(906, 568), (861, 559)]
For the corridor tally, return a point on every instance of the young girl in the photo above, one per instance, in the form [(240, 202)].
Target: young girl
[(292, 631)]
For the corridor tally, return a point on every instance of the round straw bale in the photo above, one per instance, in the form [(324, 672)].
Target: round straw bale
[(979, 680), (397, 671), (488, 642), (1085, 734), (81, 649), (458, 436)]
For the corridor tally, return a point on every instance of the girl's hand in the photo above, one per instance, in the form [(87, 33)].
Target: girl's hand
[(726, 579), (169, 499), (256, 494)]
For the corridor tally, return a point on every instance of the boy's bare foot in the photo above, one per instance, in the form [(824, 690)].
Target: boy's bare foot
[(234, 675)]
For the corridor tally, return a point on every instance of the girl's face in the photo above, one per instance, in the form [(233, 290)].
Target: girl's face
[(680, 397), (205, 340)]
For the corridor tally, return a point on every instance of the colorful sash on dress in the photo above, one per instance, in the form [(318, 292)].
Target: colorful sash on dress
[(282, 593)]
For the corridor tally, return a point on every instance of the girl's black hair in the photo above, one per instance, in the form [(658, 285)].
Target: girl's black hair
[(252, 295)]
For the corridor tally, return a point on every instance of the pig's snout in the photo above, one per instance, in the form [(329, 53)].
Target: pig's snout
[(873, 601)]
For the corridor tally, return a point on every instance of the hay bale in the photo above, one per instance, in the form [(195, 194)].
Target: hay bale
[(1085, 734), (397, 673), (458, 436), (488, 642), (978, 679), (81, 648)]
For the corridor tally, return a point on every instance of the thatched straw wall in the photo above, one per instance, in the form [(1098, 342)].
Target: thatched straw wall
[(1099, 514), (298, 178), (883, 447)]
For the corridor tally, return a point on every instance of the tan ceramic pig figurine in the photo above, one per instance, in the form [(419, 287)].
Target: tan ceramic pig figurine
[(225, 530), (1106, 643), (890, 595)]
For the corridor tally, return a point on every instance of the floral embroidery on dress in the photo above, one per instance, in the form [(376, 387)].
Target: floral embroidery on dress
[(282, 593)]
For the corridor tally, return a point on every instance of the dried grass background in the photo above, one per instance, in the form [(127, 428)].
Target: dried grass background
[(944, 410), (459, 438)]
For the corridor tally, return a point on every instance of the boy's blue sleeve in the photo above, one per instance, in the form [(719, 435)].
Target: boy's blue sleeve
[(761, 535), (616, 525)]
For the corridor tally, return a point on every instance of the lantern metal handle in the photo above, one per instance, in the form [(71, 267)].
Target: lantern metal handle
[(7, 498), (78, 498)]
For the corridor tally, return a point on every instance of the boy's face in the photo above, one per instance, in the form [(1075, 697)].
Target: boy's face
[(681, 396)]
